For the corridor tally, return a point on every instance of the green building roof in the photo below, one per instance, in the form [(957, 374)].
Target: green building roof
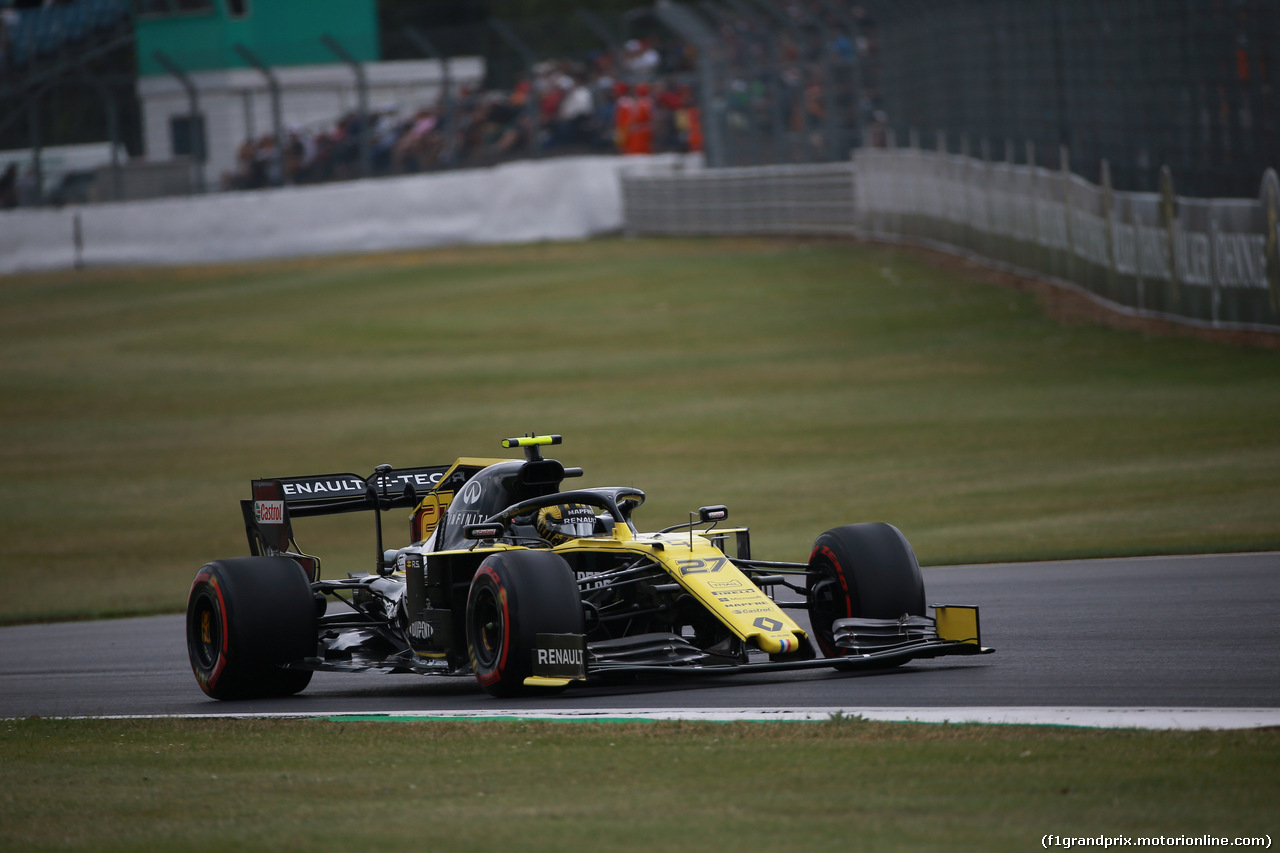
[(201, 35)]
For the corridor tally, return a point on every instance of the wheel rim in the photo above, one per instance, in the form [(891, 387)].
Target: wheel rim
[(826, 604), (822, 608), (205, 636), (486, 628)]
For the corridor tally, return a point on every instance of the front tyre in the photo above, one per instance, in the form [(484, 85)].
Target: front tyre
[(246, 617), (861, 570), (516, 595)]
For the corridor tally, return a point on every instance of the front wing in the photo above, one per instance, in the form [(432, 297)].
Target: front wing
[(869, 643)]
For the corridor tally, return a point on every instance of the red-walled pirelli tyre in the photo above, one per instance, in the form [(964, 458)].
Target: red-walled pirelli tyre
[(864, 570), (515, 596), (245, 617)]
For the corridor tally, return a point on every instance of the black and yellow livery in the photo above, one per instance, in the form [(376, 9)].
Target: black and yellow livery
[(529, 586)]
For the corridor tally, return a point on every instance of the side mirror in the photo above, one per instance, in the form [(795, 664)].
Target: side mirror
[(711, 514), (476, 532)]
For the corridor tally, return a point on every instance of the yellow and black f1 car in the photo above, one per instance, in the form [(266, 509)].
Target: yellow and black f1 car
[(529, 587)]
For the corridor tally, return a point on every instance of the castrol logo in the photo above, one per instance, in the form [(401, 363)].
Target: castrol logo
[(269, 512)]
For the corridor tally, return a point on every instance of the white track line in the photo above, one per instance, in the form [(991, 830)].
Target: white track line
[(1165, 719)]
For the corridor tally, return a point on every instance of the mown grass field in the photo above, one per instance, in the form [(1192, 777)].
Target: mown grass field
[(836, 786), (804, 384)]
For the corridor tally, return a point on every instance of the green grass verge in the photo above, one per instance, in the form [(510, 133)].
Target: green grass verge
[(457, 786), (806, 385)]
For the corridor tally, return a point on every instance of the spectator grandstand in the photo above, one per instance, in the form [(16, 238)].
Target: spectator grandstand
[(31, 32)]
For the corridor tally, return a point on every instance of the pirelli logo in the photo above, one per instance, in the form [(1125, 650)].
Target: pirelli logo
[(560, 656)]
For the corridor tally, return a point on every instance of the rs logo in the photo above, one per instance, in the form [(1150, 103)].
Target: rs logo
[(698, 567)]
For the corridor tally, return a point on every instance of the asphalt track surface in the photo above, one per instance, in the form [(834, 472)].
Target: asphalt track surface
[(1185, 632)]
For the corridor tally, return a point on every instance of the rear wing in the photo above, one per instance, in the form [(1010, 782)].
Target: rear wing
[(276, 501)]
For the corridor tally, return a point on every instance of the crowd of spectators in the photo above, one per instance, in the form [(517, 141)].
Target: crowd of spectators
[(41, 30), (637, 102), (801, 79)]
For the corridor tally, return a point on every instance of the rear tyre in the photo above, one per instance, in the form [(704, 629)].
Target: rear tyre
[(862, 570), (246, 617), (515, 596)]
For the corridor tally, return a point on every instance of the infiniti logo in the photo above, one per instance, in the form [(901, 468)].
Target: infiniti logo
[(470, 493)]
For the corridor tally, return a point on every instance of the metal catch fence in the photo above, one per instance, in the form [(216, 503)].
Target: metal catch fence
[(785, 199)]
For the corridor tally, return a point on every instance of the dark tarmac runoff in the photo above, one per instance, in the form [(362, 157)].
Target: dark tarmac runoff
[(1153, 632)]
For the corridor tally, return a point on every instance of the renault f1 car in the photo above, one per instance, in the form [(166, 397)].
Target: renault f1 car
[(530, 587)]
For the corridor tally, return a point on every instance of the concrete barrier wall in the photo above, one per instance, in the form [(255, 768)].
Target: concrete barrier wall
[(1207, 262), (556, 199)]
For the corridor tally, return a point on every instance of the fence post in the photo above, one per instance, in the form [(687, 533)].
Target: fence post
[(1270, 196), (1108, 213), (273, 88), (687, 26), (1169, 221), (833, 145), (507, 34), (362, 100), (37, 163), (195, 121), (1064, 175), (850, 26), (1040, 252), (450, 153), (113, 129)]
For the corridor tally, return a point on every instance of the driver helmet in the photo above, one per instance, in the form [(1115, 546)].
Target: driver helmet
[(560, 523)]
